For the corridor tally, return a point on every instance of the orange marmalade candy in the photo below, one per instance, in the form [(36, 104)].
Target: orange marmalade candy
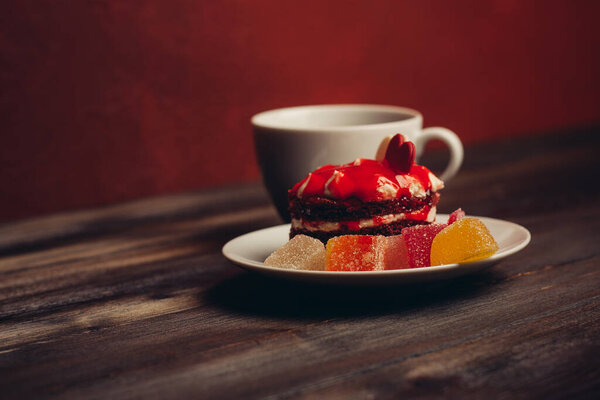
[(355, 253), (465, 240)]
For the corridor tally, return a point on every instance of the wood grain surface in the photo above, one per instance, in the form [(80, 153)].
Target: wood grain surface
[(136, 301)]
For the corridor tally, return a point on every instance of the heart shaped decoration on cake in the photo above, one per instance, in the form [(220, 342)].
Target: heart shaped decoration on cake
[(400, 154)]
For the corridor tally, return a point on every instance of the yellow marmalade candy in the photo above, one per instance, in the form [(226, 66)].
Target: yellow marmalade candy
[(465, 240)]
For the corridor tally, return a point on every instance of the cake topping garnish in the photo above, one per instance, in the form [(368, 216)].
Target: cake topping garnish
[(392, 176), (339, 185), (400, 154)]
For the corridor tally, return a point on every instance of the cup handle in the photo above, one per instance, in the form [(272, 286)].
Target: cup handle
[(454, 145)]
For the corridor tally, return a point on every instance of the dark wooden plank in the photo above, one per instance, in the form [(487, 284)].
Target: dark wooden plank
[(56, 230), (135, 300)]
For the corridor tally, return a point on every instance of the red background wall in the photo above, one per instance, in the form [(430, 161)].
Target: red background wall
[(103, 101)]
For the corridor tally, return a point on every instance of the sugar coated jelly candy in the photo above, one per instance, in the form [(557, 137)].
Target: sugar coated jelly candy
[(355, 253), (301, 252), (465, 240), (366, 253), (418, 243), (395, 253)]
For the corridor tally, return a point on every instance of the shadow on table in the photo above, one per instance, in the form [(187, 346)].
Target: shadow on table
[(254, 294)]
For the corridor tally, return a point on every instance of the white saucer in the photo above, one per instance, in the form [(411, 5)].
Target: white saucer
[(250, 250)]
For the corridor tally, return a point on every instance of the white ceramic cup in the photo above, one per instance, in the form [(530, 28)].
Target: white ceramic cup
[(291, 142)]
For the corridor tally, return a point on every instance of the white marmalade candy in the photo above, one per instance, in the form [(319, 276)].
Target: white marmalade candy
[(301, 252)]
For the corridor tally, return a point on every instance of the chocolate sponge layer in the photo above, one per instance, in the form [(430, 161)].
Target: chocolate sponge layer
[(352, 209)]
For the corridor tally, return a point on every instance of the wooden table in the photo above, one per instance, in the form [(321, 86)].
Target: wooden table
[(136, 301)]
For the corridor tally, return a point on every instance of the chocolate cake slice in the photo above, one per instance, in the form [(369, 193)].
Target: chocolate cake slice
[(365, 197)]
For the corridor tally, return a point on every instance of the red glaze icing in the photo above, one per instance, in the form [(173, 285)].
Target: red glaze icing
[(351, 225), (378, 220), (361, 179)]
